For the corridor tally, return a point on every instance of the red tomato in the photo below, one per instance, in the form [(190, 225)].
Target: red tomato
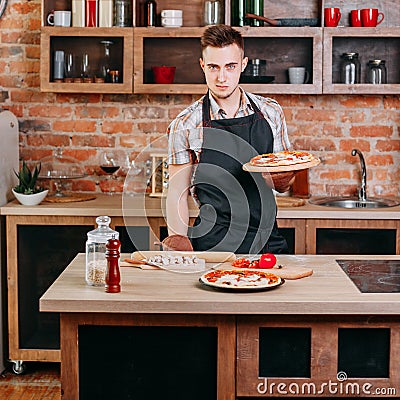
[(267, 260)]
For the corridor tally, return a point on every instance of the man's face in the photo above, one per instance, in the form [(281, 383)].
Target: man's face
[(222, 67)]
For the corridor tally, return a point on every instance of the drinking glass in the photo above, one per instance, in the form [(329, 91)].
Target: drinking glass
[(69, 65), (110, 162), (85, 66)]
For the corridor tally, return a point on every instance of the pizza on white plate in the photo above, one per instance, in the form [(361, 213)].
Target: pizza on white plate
[(241, 279), (282, 158)]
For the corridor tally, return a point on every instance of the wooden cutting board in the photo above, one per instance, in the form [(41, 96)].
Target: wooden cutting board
[(284, 168), (291, 272), (282, 201), (209, 256)]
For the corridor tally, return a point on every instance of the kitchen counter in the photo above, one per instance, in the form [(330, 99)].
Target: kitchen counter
[(329, 323), (327, 291), (118, 205)]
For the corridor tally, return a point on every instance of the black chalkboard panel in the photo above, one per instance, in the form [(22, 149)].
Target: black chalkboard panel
[(147, 363), (364, 352), (285, 352)]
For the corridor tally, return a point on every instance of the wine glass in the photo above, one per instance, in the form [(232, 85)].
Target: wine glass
[(69, 65), (85, 66), (110, 162)]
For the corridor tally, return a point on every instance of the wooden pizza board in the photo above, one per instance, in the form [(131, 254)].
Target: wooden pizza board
[(208, 256), (290, 272), (283, 201), (283, 168), (70, 198)]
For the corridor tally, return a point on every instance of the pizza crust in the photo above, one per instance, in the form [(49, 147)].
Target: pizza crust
[(283, 161)]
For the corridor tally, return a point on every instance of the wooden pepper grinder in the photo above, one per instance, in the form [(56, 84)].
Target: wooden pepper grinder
[(113, 276)]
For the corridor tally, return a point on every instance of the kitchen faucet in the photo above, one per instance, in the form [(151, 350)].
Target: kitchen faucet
[(362, 193)]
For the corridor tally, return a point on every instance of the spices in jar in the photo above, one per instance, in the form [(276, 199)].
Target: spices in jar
[(114, 76), (96, 262)]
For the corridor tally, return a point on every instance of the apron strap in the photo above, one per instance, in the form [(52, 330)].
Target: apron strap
[(207, 106)]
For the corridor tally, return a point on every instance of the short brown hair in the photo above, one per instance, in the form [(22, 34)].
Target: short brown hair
[(221, 36)]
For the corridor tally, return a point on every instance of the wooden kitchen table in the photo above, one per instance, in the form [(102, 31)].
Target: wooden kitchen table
[(325, 317)]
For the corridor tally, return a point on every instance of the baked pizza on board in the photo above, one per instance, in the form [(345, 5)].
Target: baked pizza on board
[(241, 279), (282, 161)]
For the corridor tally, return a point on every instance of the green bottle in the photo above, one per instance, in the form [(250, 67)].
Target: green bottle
[(256, 7), (238, 11)]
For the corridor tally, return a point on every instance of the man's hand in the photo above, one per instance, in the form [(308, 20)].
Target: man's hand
[(279, 181), (177, 243)]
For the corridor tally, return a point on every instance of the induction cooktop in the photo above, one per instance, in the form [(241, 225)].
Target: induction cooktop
[(373, 276)]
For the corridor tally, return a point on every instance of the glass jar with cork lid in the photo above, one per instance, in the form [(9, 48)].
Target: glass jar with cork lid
[(96, 262)]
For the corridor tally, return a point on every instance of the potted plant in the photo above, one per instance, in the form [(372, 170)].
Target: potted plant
[(27, 192)]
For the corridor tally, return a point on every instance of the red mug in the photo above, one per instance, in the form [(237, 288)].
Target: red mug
[(163, 74), (369, 17), (355, 18), (332, 16)]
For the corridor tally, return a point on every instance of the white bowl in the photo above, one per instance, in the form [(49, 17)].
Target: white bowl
[(171, 22), (172, 14), (30, 199)]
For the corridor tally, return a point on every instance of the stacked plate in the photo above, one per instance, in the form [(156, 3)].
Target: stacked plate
[(171, 18)]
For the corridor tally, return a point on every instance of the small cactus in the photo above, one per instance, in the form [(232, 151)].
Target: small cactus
[(27, 179)]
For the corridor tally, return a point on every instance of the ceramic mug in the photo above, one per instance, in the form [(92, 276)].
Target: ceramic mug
[(59, 18), (355, 18), (298, 75), (332, 16), (369, 17)]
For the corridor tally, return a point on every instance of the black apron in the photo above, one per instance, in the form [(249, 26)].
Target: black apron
[(237, 208)]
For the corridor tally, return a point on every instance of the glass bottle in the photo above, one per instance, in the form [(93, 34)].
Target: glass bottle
[(376, 72), (350, 70), (213, 12), (150, 13), (105, 65), (96, 262), (256, 7), (238, 13)]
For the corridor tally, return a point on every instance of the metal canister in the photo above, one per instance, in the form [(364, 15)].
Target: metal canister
[(122, 13)]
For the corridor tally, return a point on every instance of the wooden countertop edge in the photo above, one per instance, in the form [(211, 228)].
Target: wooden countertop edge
[(327, 292), (115, 206), (284, 308)]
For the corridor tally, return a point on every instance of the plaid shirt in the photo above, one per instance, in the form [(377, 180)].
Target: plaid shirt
[(185, 133)]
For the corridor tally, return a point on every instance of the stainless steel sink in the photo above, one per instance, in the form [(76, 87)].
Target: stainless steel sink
[(353, 202)]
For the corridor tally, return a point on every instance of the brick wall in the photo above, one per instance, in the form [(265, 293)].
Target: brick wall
[(329, 125)]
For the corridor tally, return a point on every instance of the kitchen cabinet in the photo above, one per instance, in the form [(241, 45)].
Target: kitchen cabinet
[(330, 236), (370, 44), (41, 240), (39, 248), (77, 41), (312, 337), (316, 48), (309, 352)]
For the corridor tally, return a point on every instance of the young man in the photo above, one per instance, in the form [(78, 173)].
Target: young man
[(208, 144)]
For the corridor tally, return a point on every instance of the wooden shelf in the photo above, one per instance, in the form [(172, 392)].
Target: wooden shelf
[(370, 43), (316, 48), (52, 37), (181, 48)]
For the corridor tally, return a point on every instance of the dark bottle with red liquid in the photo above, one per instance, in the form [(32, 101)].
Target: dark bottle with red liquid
[(113, 277)]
